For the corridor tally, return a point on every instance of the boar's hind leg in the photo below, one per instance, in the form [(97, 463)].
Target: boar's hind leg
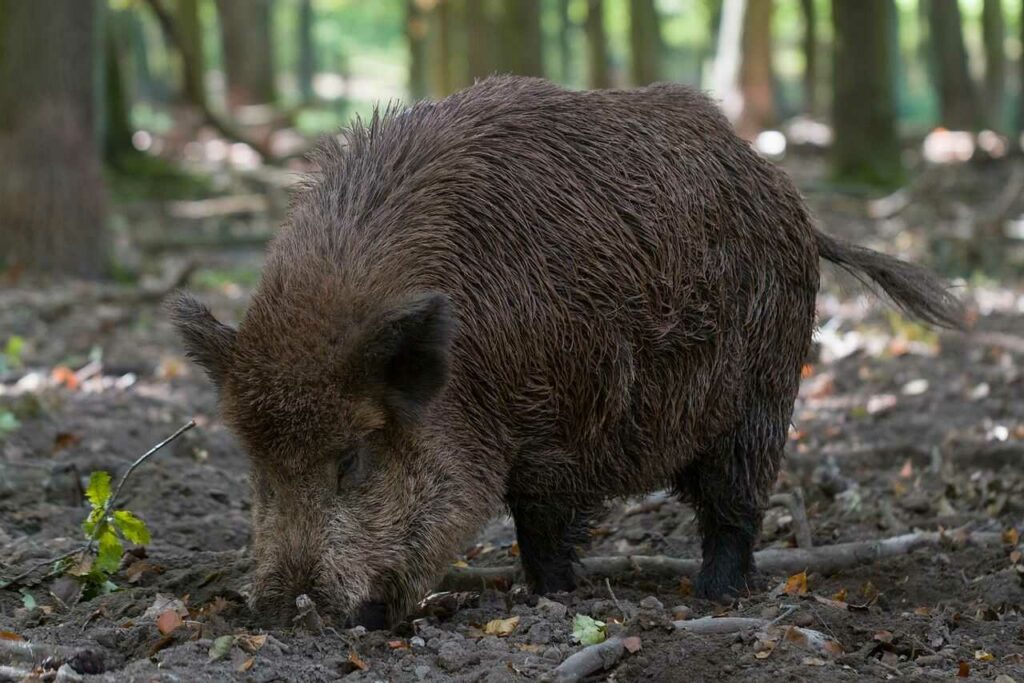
[(728, 486), (548, 532)]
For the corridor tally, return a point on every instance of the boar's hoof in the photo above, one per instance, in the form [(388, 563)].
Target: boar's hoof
[(373, 616), (722, 586)]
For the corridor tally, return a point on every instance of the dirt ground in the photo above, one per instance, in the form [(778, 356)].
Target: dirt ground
[(896, 429)]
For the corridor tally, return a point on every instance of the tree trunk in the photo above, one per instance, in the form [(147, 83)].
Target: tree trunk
[(441, 62), (994, 33), (192, 65), (117, 127), (479, 28), (645, 41), (248, 51), (957, 99), (810, 49), (52, 208), (523, 39), (755, 78), (416, 33), (597, 46), (307, 51), (564, 47), (866, 145)]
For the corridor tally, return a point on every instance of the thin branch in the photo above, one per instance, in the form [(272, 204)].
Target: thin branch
[(587, 661), (794, 502)]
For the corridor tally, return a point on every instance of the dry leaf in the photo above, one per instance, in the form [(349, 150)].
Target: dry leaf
[(10, 635), (685, 587), (64, 376), (168, 621), (398, 644), (884, 637), (356, 661), (764, 648), (796, 584), (251, 643), (812, 661), (164, 641), (632, 644), (835, 604), (840, 595), (963, 670), (983, 656), (1011, 536), (246, 665), (65, 440), (532, 647), (501, 627), (461, 564), (806, 371), (907, 471), (514, 549), (923, 611)]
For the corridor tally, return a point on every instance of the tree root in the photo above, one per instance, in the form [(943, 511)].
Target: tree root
[(587, 661), (821, 559)]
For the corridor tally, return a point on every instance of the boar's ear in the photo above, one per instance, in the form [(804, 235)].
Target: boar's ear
[(406, 353), (207, 341)]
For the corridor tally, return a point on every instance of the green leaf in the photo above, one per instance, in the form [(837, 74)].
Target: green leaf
[(90, 523), (27, 600), (587, 630), (108, 558), (98, 491), (221, 647), (133, 528), (12, 351), (8, 422)]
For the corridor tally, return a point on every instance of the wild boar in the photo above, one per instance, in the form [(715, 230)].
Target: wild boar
[(529, 299)]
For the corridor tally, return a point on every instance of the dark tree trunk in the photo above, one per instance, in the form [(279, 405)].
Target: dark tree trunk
[(957, 99), (190, 33), (810, 50), (248, 51), (441, 57), (564, 50), (597, 46), (52, 209), (416, 32), (645, 41), (307, 51), (117, 127), (866, 145), (756, 79), (523, 43), (994, 33), (479, 29)]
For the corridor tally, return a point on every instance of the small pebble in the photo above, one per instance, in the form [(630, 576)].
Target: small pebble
[(681, 612), (803, 619), (416, 641), (552, 609), (421, 671), (652, 603)]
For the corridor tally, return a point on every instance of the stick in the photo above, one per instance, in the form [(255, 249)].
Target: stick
[(88, 547), (22, 650), (590, 659), (794, 502), (814, 640), (13, 674), (825, 559)]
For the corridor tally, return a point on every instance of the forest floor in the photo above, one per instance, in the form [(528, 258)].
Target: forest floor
[(896, 429)]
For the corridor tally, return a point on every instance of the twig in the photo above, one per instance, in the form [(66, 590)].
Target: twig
[(794, 502), (815, 640), (608, 585), (90, 545), (14, 674), (823, 559), (590, 659)]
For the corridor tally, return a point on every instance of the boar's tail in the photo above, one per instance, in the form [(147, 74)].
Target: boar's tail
[(916, 291)]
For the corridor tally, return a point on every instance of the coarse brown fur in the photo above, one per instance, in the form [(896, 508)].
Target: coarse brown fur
[(527, 297)]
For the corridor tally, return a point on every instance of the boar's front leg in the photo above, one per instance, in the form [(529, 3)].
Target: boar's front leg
[(548, 532)]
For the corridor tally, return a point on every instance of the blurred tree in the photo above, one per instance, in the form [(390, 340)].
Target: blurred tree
[(116, 125), (190, 47), (416, 33), (994, 33), (479, 29), (810, 50), (644, 41), (866, 143), (597, 46), (442, 55), (756, 79), (957, 99), (248, 51), (522, 38), (565, 29), (52, 192), (307, 50)]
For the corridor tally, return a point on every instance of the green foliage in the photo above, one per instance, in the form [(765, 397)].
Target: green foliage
[(587, 630), (10, 357), (108, 529), (8, 422)]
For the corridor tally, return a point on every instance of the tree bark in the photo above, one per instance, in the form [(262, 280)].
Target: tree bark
[(248, 51), (416, 27), (52, 193), (523, 44), (307, 51), (866, 144), (193, 65), (755, 78), (645, 41), (479, 29), (441, 54), (597, 46), (957, 99), (117, 128), (810, 50), (994, 34)]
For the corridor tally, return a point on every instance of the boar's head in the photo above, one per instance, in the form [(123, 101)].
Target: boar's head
[(356, 500)]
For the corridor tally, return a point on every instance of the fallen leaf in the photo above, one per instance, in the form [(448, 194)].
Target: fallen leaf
[(136, 570), (163, 602), (1016, 556), (963, 670), (513, 549), (812, 661), (168, 622), (923, 611), (10, 635), (65, 440), (461, 564), (251, 643), (796, 584), (907, 471), (531, 647), (356, 661), (501, 627), (1011, 536), (685, 587), (884, 637), (246, 665), (64, 376), (587, 630), (398, 644), (869, 591), (840, 595), (221, 646), (164, 641), (806, 371), (632, 644), (764, 648), (983, 656), (835, 604)]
